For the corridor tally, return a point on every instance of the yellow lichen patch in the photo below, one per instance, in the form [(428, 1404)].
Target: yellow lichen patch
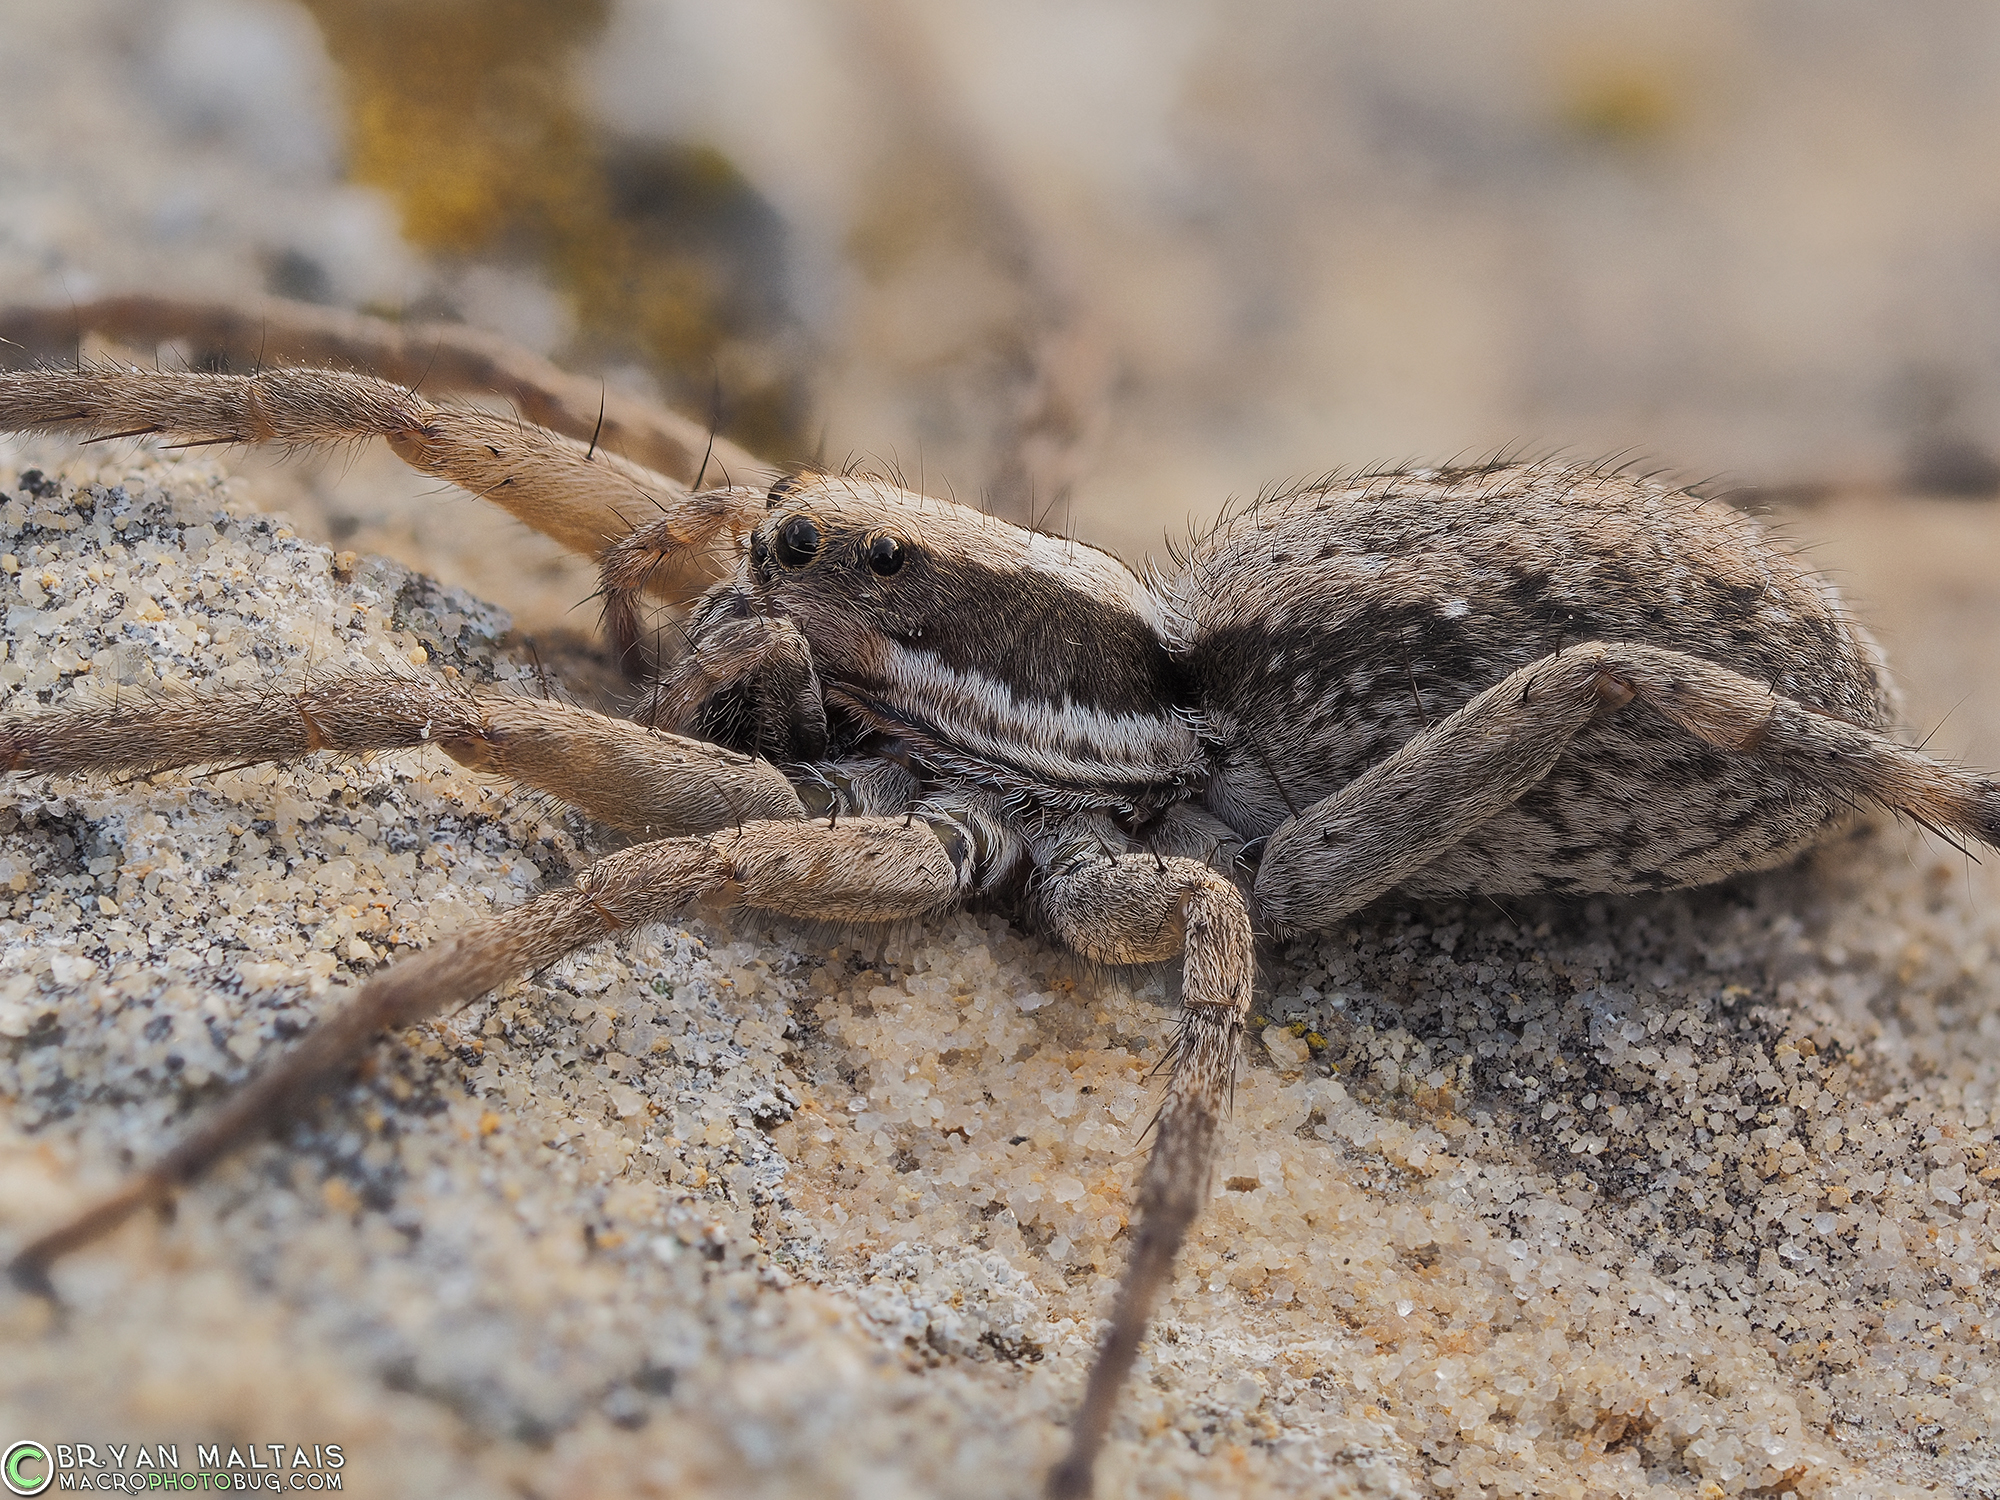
[(1630, 106), (468, 116)]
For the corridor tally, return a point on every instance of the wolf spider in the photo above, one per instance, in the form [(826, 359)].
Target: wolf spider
[(1505, 678)]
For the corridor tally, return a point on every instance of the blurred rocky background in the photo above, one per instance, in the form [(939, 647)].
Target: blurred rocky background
[(1104, 264)]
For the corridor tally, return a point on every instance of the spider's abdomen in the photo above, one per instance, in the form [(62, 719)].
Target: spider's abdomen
[(1321, 630)]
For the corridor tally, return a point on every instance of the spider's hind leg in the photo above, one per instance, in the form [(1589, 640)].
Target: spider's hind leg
[(1375, 833), (1406, 811)]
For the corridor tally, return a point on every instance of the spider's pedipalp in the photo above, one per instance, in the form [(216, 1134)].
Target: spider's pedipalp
[(693, 540)]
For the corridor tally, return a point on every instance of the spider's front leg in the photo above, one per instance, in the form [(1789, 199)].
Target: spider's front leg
[(1139, 908), (642, 780), (855, 870), (575, 492), (261, 332)]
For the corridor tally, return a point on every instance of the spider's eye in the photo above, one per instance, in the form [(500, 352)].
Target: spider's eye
[(798, 542), (885, 555)]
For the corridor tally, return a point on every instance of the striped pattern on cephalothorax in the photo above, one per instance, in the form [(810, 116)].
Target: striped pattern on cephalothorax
[(1323, 627), (983, 653)]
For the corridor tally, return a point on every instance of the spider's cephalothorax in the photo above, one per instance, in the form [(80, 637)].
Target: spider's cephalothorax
[(993, 658), (1515, 678)]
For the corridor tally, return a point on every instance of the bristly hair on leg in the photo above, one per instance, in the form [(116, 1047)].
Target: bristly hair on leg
[(714, 426), (597, 432)]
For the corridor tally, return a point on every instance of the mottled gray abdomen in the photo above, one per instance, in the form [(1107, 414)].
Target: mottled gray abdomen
[(1321, 629)]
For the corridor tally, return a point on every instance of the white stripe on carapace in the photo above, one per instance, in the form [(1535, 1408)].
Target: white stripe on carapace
[(982, 718)]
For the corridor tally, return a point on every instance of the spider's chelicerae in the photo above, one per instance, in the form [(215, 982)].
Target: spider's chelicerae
[(1503, 679)]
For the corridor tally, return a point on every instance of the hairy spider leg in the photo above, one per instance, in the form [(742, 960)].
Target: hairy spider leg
[(1391, 821), (1142, 908), (587, 501), (866, 870), (253, 332), (642, 780)]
